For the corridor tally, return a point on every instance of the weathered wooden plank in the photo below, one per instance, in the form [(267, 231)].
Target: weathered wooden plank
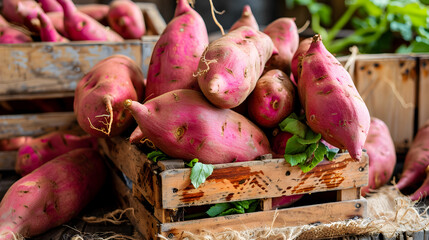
[(348, 194), (55, 67), (133, 163), (318, 213), (388, 86), (147, 48), (261, 179), (141, 218), (423, 102), (7, 160), (35, 124)]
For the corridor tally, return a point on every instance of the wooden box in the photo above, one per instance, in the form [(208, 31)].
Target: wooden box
[(161, 193), (390, 85), (51, 71)]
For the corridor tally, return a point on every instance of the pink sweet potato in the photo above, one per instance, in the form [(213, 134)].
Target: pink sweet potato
[(9, 10), (3, 21), (272, 100), (80, 26), (285, 201), (42, 149), (50, 6), (29, 10), (303, 47), (9, 34), (246, 19), (126, 18), (48, 33), (52, 194), (231, 66), (284, 34), (183, 124), (177, 52), (416, 163), (97, 11), (57, 19), (99, 96), (13, 144), (278, 142), (331, 102), (382, 155)]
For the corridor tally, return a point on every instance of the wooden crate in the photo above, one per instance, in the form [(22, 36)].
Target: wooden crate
[(389, 83), (161, 192), (43, 70)]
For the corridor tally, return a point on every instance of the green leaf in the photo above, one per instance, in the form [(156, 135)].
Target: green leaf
[(217, 209), (292, 125), (310, 138), (307, 166), (403, 26), (295, 159), (192, 162), (332, 152), (200, 172), (157, 155), (417, 12), (293, 145)]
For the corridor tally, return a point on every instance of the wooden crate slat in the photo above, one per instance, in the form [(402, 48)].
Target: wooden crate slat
[(35, 124), (261, 179), (7, 160), (388, 87), (142, 219), (155, 23), (318, 213), (423, 104), (55, 67), (130, 161)]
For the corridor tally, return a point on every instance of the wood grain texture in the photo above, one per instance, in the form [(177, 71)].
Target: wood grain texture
[(48, 70), (318, 213), (423, 101), (261, 179), (35, 124)]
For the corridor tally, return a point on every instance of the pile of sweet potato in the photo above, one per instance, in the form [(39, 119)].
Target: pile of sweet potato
[(216, 101), (24, 21)]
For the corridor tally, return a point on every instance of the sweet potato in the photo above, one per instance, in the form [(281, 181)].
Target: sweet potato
[(272, 100), (29, 10), (52, 194), (48, 33), (57, 19), (9, 34), (231, 66), (13, 144), (98, 103), (416, 163), (278, 142), (50, 6), (80, 26), (284, 34), (285, 201), (42, 149), (303, 47), (3, 21), (246, 19), (177, 52), (97, 11), (10, 7), (183, 124), (331, 102), (126, 18), (382, 155)]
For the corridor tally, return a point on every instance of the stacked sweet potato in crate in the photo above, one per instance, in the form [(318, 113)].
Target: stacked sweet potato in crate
[(217, 129)]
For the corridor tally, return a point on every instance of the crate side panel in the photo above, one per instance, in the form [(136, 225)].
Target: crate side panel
[(297, 216), (388, 87), (133, 163), (35, 124), (261, 179), (423, 104), (55, 67)]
